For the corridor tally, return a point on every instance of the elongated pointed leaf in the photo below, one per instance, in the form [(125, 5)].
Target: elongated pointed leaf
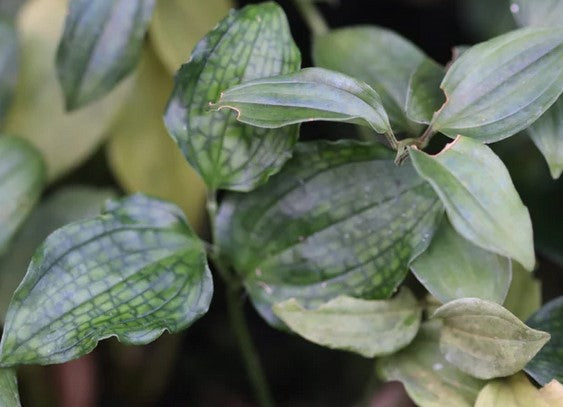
[(485, 340), (311, 94), (538, 12), (133, 272), (548, 363), (177, 25), (370, 328), (101, 44), (513, 391), (454, 268), (480, 198), (37, 113), (340, 219), (22, 177), (252, 43), (524, 294), (9, 64), (9, 395), (66, 205), (429, 379), (499, 87), (424, 96), (379, 57), (547, 134)]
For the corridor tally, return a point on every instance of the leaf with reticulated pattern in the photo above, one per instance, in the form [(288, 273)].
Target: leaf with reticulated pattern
[(251, 43), (133, 272), (339, 219)]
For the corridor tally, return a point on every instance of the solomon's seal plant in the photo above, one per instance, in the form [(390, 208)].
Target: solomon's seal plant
[(321, 234)]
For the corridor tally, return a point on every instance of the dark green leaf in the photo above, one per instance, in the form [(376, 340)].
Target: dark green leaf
[(101, 45), (548, 363), (370, 328), (340, 219), (64, 206), (9, 396), (480, 199), (22, 176), (133, 272), (9, 63), (499, 87), (547, 134), (311, 94), (430, 380), (524, 294), (379, 57), (538, 12), (424, 95), (485, 340), (453, 268), (252, 43)]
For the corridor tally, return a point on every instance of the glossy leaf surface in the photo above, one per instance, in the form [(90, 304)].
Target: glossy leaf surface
[(485, 340), (454, 268), (9, 64), (339, 219), (22, 177), (499, 87), (424, 96), (9, 395), (538, 12), (547, 134), (133, 272), (100, 45), (379, 57), (480, 198), (548, 363), (38, 113), (310, 94), (513, 391), (143, 157), (251, 43), (63, 206), (177, 25), (370, 328), (429, 379), (524, 295)]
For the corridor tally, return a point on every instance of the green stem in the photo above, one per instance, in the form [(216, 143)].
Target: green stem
[(312, 16), (249, 353)]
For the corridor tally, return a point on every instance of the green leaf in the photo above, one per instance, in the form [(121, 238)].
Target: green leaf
[(480, 198), (9, 64), (143, 157), (327, 226), (499, 87), (453, 268), (548, 363), (9, 396), (133, 272), (63, 206), (424, 95), (370, 328), (484, 339), (100, 46), (310, 94), (38, 113), (177, 25), (514, 391), (524, 294), (547, 134), (22, 177), (379, 57), (429, 379), (538, 12), (251, 43)]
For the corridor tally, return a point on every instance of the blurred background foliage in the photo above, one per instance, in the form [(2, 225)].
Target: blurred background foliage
[(119, 145)]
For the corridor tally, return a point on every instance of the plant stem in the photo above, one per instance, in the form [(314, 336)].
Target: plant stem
[(249, 353), (312, 16)]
